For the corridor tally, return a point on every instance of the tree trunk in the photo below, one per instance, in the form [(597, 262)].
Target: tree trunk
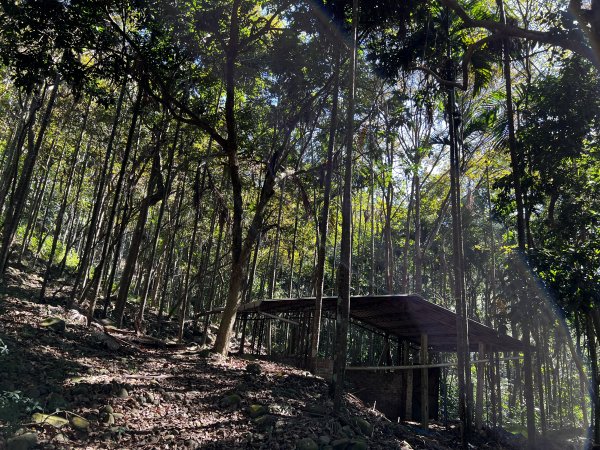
[(113, 210), (345, 265), (462, 344), (11, 163), (418, 256), (192, 247), (92, 229), (65, 200), (324, 220), (154, 245), (170, 248), (17, 204), (595, 376), (155, 193)]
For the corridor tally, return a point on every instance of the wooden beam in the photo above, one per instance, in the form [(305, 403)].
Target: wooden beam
[(426, 366), (272, 316)]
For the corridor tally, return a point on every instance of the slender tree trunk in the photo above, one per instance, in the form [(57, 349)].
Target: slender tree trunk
[(154, 194), (521, 235), (86, 257), (404, 273), (192, 247), (154, 245), (65, 200), (47, 202), (595, 376), (98, 273), (372, 287), (418, 256), (17, 204), (170, 248), (462, 344), (215, 271), (74, 216), (39, 191), (345, 267), (293, 250), (324, 220), (11, 163)]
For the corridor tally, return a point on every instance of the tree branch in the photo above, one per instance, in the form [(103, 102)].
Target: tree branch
[(541, 37), (464, 84)]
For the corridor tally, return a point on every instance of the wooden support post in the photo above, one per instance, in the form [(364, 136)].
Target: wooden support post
[(424, 382), (491, 369), (243, 338), (403, 379), (409, 394), (269, 335), (499, 391), (479, 394)]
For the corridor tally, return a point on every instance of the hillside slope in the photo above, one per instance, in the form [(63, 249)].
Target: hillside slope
[(63, 385)]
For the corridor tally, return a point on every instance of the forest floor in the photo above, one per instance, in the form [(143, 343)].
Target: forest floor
[(64, 385)]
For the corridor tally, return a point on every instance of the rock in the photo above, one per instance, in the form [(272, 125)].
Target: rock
[(306, 444), (108, 419), (122, 393), (257, 410), (107, 416), (54, 324), (22, 442), (340, 444), (151, 399), (253, 368), (232, 400), (79, 423), (55, 421), (405, 446), (76, 380), (365, 427), (60, 439)]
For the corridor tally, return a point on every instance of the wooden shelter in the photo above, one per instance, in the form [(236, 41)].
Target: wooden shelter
[(408, 390)]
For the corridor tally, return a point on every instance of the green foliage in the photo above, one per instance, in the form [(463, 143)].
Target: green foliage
[(561, 136), (14, 406)]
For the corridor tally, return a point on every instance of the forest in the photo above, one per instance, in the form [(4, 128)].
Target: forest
[(171, 168)]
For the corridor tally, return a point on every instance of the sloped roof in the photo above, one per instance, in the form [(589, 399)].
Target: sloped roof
[(406, 316)]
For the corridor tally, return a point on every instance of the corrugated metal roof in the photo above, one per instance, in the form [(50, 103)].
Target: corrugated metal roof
[(406, 316)]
